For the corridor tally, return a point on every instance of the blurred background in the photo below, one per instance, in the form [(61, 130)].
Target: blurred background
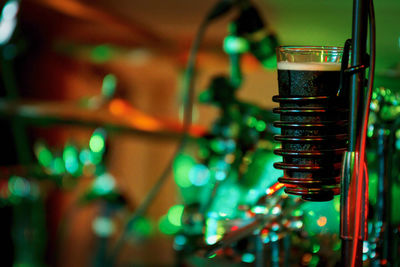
[(91, 111)]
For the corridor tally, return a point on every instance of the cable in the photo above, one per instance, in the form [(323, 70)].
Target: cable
[(219, 9), (362, 147)]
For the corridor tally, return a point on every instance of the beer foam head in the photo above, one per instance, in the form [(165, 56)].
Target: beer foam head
[(311, 66)]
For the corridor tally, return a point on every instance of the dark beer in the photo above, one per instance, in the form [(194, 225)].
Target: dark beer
[(313, 122), (308, 79)]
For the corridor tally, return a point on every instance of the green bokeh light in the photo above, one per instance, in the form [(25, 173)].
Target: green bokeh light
[(199, 175), (103, 226), (234, 44), (248, 257), (84, 156), (18, 186), (8, 20), (109, 85), (261, 125), (314, 261), (175, 215), (70, 157), (97, 141), (58, 166), (297, 212), (316, 248), (143, 226), (101, 53), (213, 231), (217, 145), (182, 165), (104, 184), (166, 227), (180, 240), (43, 154), (251, 121)]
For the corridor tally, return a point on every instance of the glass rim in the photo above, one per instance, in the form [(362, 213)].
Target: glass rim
[(308, 48)]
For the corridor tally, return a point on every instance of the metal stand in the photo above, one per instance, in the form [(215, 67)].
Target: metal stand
[(358, 60)]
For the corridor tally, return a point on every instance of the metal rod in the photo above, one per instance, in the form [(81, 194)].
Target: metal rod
[(358, 58)]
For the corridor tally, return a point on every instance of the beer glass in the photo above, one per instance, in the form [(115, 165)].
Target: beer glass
[(313, 120)]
